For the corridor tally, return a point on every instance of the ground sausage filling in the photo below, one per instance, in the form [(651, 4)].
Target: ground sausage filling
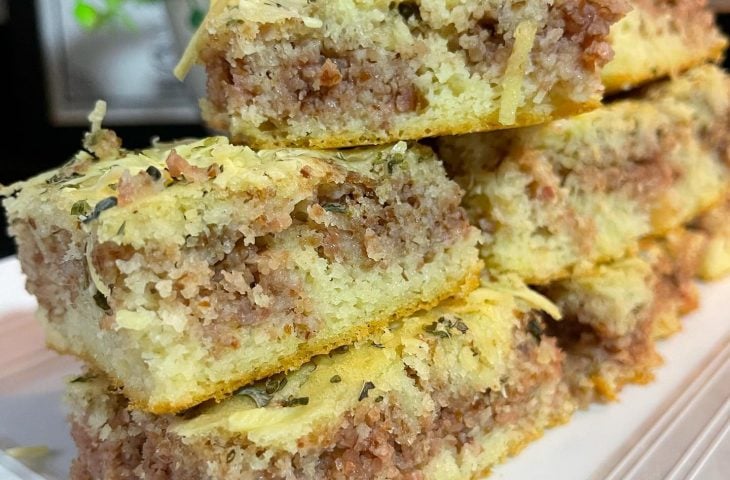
[(219, 283), (305, 77), (377, 439)]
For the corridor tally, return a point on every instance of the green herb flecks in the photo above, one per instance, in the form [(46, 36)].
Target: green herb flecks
[(81, 208), (367, 386), (335, 207), (443, 327), (291, 401), (275, 383), (335, 379), (393, 161), (83, 378), (101, 302), (535, 329), (60, 178), (396, 156), (461, 326), (438, 329)]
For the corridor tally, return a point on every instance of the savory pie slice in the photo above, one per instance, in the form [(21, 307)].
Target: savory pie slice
[(184, 271), (344, 73), (613, 315), (561, 197), (445, 394)]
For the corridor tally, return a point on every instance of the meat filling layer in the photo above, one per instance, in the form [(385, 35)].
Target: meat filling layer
[(376, 440), (305, 77), (221, 283)]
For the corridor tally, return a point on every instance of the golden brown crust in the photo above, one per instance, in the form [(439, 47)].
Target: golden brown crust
[(300, 74), (617, 83), (560, 197), (604, 354), (483, 385), (205, 284), (221, 390), (413, 131)]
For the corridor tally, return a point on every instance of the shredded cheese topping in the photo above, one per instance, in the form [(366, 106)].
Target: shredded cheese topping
[(96, 280), (512, 94), (28, 453), (96, 117)]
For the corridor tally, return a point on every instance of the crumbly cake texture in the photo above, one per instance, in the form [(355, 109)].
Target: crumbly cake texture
[(613, 315), (185, 271), (660, 38), (715, 226), (443, 395), (343, 73), (556, 199)]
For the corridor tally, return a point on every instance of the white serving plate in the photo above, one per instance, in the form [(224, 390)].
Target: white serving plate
[(678, 427)]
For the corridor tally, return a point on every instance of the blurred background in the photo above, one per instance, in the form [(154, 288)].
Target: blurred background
[(60, 56)]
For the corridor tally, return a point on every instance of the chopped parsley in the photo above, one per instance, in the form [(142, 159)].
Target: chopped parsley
[(101, 301), (461, 326), (393, 161), (335, 379), (535, 329), (367, 386), (335, 207), (62, 178), (83, 378), (81, 208), (275, 383), (294, 401), (443, 327)]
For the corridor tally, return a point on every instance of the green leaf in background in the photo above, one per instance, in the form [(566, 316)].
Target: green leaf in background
[(95, 14), (86, 15)]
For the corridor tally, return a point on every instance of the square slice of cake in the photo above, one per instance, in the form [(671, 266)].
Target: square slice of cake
[(345, 72), (443, 395), (613, 315), (660, 38), (187, 270), (559, 197)]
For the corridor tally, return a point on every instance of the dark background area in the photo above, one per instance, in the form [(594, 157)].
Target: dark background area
[(29, 143)]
